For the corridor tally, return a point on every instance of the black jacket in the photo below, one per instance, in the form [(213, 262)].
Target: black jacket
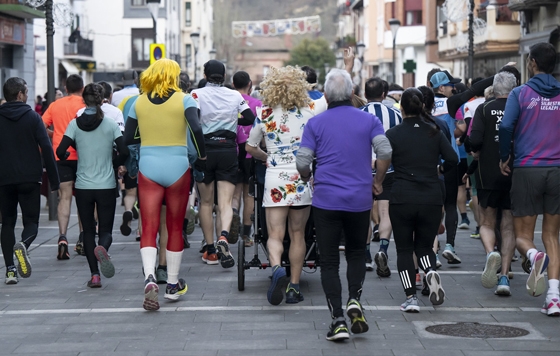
[(23, 138)]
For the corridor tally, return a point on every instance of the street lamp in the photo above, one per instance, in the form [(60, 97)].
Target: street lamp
[(153, 7), (339, 60), (327, 68), (195, 39), (212, 54), (360, 49), (394, 25)]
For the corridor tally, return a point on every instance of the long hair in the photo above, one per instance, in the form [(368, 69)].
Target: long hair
[(161, 78), (93, 95), (286, 86), (413, 103)]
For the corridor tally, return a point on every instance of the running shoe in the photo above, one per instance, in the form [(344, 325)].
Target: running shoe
[(493, 263), (222, 247), (410, 305), (186, 243), (24, 266), (338, 331), (381, 263), (210, 258), (203, 246), (438, 263), (278, 285), (536, 283), (437, 294), (418, 280), (105, 265), (293, 296), (125, 227), (476, 233), (464, 224), (551, 306), (233, 235), (375, 237), (190, 224), (11, 275), (94, 282), (174, 291), (247, 240), (151, 290), (369, 261), (79, 248), (62, 249), (425, 288), (135, 211), (357, 318), (161, 276), (526, 264), (450, 255), (138, 236), (503, 286)]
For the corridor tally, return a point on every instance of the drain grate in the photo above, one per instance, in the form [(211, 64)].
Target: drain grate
[(477, 330)]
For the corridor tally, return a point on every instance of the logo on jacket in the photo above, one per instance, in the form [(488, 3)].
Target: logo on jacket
[(534, 102)]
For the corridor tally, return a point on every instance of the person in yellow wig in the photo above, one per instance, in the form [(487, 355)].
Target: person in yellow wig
[(160, 120)]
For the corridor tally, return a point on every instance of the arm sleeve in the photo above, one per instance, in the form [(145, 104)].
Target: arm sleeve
[(306, 152), (477, 132), (195, 130), (47, 152), (123, 151), (455, 102), (382, 147), (511, 115), (131, 133), (247, 118), (62, 148), (472, 167)]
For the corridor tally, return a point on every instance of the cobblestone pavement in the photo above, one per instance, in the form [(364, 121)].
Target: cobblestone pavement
[(54, 313)]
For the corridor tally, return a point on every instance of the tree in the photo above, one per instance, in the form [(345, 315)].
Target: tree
[(315, 53)]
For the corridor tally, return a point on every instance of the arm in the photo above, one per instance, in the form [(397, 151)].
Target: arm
[(306, 152), (455, 102), (48, 155), (47, 121), (383, 151), (247, 118), (123, 151), (252, 146), (448, 154), (477, 130), (349, 60), (131, 132), (511, 115), (191, 115), (62, 150)]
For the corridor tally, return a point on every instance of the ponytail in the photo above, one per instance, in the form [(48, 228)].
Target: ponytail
[(93, 97)]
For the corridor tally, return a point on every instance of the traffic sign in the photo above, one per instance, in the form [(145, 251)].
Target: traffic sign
[(157, 51)]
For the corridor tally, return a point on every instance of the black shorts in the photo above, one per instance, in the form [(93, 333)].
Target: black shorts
[(67, 170), (221, 165), (535, 191), (387, 186), (129, 183), (497, 199), (244, 171), (462, 168)]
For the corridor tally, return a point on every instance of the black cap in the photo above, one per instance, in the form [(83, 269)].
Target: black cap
[(130, 77), (215, 71), (451, 79)]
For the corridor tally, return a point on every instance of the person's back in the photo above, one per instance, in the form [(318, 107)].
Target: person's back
[(130, 80)]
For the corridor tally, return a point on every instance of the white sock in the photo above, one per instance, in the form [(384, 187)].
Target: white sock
[(149, 257), (173, 265), (531, 255), (553, 287)]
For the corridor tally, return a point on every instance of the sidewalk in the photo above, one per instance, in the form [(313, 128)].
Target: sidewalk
[(54, 313)]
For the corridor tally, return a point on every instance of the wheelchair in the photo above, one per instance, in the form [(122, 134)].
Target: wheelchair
[(260, 236)]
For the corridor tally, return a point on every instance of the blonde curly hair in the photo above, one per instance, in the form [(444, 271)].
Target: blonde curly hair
[(287, 87)]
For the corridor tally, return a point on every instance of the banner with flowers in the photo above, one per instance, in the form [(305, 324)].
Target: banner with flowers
[(294, 26)]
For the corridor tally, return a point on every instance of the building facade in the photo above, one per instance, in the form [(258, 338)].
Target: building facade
[(197, 17)]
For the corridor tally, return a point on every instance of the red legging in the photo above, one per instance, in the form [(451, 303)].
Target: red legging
[(151, 195)]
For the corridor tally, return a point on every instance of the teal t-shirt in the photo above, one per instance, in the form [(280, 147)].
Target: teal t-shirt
[(95, 154)]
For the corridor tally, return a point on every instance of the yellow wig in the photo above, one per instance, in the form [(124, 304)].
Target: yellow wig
[(160, 78), (286, 86)]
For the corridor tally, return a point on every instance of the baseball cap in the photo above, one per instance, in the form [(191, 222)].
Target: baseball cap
[(443, 78), (214, 67), (130, 77)]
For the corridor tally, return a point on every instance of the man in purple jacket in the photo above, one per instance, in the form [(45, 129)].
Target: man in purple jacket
[(532, 120)]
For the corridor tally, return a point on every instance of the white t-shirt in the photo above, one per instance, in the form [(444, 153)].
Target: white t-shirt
[(119, 96), (110, 112), (470, 106)]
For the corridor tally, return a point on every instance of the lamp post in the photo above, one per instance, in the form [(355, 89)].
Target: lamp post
[(53, 196), (360, 49), (153, 7), (195, 39), (394, 25)]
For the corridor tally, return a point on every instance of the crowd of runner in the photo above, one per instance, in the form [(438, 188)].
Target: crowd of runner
[(182, 153)]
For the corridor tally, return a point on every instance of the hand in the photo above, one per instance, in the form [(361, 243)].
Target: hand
[(305, 179), (349, 58), (504, 167), (465, 177), (200, 164), (458, 141), (122, 170), (476, 155), (377, 187)]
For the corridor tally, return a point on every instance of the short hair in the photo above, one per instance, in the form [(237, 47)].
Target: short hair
[(430, 74), (504, 83), (374, 88), (385, 87), (107, 89), (544, 55), (338, 85), (74, 84), (184, 81), (514, 71), (310, 73), (241, 79), (202, 83), (12, 87)]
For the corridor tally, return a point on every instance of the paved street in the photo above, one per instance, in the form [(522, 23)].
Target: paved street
[(54, 313)]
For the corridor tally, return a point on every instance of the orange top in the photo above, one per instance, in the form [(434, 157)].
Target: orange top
[(59, 114)]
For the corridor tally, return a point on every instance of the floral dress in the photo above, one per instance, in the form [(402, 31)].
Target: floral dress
[(282, 131)]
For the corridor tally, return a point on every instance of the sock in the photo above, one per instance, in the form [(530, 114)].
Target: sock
[(463, 215), (224, 234), (293, 286), (247, 230), (531, 255), (174, 264), (162, 267), (211, 249), (185, 223), (149, 257), (367, 247), (553, 287), (235, 211), (383, 245), (62, 237)]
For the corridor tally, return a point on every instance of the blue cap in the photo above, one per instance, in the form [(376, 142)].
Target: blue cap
[(442, 78)]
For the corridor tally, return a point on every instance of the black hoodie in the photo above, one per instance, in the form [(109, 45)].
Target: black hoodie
[(22, 133)]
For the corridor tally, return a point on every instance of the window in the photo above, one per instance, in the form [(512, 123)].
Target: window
[(138, 2), (188, 14), (142, 38), (413, 18), (189, 56)]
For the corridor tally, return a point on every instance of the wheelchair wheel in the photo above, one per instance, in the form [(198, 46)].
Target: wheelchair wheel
[(241, 265)]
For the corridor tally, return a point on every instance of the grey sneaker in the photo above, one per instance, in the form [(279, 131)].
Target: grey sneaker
[(437, 294), (161, 276), (410, 305), (11, 275), (489, 277), (24, 266), (450, 255)]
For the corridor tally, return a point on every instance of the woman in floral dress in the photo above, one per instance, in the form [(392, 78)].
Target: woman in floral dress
[(281, 121)]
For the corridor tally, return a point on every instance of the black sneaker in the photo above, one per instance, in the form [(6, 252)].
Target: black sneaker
[(62, 249), (293, 296), (425, 288), (186, 242), (24, 266), (338, 331), (173, 292), (375, 237), (126, 219), (369, 261)]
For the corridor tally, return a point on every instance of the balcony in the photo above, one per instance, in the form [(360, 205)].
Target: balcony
[(81, 47), (19, 9), (520, 5)]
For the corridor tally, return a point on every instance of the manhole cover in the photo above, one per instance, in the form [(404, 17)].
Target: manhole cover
[(477, 330)]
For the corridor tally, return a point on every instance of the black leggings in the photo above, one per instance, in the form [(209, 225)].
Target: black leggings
[(451, 216), (87, 200), (414, 229), (329, 225), (28, 195)]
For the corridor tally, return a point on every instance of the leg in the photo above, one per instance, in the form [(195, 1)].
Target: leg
[(163, 237), (106, 203), (550, 231), (403, 219), (248, 209), (206, 200), (508, 241), (151, 198), (297, 220), (64, 205), (450, 206), (385, 230), (85, 202), (487, 228), (29, 197), (276, 225), (524, 228), (8, 208), (225, 196), (355, 227)]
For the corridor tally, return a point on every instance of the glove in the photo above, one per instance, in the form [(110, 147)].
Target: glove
[(200, 165)]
